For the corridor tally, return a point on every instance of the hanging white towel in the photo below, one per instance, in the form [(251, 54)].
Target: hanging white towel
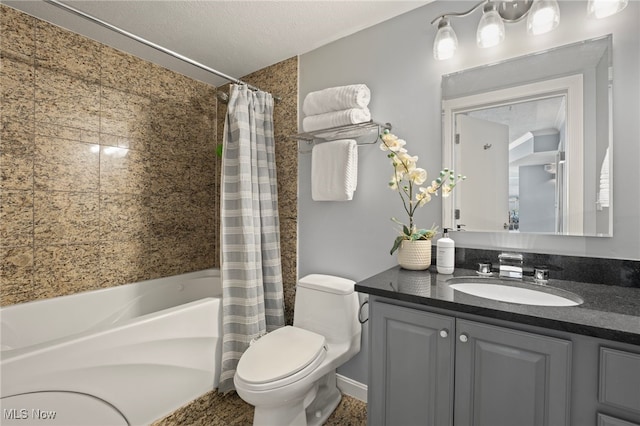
[(334, 170), (335, 119), (336, 99)]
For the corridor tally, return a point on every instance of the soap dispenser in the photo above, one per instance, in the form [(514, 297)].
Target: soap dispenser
[(445, 255)]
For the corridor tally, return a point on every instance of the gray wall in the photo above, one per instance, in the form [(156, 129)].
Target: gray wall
[(352, 239)]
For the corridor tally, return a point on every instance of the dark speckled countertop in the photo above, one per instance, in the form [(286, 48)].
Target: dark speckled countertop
[(608, 312)]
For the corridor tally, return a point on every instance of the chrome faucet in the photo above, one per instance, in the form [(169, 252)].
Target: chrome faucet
[(511, 265)]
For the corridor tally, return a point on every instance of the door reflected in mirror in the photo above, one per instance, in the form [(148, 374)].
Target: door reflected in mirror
[(533, 136)]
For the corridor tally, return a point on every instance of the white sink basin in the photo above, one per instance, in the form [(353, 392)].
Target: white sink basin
[(515, 292)]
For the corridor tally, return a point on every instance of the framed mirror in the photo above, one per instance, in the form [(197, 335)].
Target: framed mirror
[(533, 135)]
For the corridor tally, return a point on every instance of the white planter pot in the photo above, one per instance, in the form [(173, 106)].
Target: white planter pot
[(415, 255)]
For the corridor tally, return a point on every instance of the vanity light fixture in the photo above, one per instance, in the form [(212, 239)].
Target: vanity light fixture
[(544, 15), (603, 8), (491, 27), (446, 42)]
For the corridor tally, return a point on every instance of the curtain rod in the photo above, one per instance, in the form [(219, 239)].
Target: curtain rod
[(148, 43)]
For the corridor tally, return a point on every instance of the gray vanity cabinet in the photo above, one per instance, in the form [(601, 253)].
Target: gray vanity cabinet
[(502, 376), (411, 367), (510, 377)]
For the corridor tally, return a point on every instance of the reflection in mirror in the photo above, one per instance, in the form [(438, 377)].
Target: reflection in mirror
[(535, 131)]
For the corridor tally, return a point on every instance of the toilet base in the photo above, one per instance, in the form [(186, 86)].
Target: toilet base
[(325, 402), (313, 410)]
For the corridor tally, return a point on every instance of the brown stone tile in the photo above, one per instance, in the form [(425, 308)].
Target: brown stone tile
[(62, 50), (168, 173), (203, 174), (71, 133), (163, 160), (66, 269), (166, 84), (65, 217), (18, 32), (288, 250), (202, 249), (123, 217), (287, 171), (17, 77), (16, 218), (124, 114), (16, 88), (66, 165), (16, 155), (123, 171), (64, 100), (122, 262), (169, 255), (165, 129), (169, 215), (118, 141), (125, 72), (16, 275), (202, 211)]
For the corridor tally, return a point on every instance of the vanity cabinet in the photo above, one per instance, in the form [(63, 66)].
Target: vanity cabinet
[(502, 376), (411, 367), (619, 386)]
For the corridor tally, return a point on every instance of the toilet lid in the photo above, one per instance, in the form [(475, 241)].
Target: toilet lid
[(280, 354)]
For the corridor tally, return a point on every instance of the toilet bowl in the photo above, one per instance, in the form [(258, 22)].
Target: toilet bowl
[(288, 375)]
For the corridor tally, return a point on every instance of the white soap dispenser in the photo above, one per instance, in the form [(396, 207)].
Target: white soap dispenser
[(445, 255)]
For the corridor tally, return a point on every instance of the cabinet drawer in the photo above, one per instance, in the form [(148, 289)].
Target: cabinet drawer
[(604, 420), (620, 379)]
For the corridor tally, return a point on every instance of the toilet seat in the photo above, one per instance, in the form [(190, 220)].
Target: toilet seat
[(281, 357)]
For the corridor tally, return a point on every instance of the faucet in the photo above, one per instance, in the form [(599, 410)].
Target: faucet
[(511, 265)]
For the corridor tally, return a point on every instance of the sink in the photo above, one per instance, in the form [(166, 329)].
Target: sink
[(513, 291)]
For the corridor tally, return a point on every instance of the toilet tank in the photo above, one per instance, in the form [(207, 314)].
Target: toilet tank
[(327, 305)]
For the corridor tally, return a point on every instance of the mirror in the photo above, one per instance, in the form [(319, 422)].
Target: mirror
[(533, 136)]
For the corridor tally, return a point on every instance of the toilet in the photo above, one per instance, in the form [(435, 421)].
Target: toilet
[(289, 375)]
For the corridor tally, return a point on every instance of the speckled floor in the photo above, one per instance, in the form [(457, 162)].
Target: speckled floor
[(214, 409)]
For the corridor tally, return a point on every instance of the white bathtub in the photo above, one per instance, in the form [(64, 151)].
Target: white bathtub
[(126, 355)]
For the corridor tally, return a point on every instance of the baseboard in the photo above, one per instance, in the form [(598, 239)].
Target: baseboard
[(351, 388)]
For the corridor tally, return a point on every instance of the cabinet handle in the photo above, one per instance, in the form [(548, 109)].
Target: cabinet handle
[(464, 338), (444, 332)]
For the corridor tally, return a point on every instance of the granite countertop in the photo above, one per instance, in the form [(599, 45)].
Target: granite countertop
[(608, 312)]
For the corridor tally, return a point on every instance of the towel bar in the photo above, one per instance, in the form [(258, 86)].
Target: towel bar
[(351, 131)]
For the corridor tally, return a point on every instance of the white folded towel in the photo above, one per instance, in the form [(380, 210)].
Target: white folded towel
[(334, 170), (336, 99), (335, 119)]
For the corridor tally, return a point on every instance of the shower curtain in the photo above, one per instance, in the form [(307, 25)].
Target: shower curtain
[(251, 269)]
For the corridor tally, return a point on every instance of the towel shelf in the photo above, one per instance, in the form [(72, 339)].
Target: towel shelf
[(350, 131)]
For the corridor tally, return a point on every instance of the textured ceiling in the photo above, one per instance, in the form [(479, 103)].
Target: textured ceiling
[(234, 37)]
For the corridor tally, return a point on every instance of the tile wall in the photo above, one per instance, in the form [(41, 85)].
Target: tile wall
[(108, 172)]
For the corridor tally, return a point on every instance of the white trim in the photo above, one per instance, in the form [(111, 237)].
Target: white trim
[(571, 86), (351, 388)]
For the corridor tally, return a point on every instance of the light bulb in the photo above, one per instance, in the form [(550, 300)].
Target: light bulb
[(446, 42), (490, 29), (543, 17), (603, 8)]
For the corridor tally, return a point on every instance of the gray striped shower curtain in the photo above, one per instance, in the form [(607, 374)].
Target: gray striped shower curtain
[(251, 270)]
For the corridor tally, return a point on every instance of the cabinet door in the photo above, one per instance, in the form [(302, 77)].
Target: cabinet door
[(509, 377), (411, 367)]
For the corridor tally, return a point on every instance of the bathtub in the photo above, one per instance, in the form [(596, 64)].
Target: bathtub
[(126, 355)]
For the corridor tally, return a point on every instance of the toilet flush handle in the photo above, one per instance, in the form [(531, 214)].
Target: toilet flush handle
[(362, 321)]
